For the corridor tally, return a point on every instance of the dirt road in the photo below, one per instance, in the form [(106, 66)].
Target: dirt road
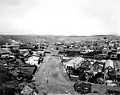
[(51, 78)]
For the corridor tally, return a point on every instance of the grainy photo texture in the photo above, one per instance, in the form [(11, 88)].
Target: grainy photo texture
[(59, 47)]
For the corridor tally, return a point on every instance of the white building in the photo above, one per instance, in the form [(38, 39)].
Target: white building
[(33, 60)]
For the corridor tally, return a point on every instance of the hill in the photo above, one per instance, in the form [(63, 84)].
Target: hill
[(36, 38)]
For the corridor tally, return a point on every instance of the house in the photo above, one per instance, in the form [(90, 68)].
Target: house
[(74, 62), (109, 65), (33, 60)]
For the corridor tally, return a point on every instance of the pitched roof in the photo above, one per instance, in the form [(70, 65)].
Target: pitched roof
[(4, 51), (109, 63), (75, 61)]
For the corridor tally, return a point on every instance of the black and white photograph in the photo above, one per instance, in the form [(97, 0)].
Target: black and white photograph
[(59, 47)]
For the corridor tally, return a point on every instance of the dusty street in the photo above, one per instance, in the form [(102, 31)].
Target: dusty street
[(51, 78)]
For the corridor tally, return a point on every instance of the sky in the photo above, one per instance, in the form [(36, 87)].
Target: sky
[(60, 17)]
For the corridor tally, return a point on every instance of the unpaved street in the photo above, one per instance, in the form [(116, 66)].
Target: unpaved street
[(51, 78)]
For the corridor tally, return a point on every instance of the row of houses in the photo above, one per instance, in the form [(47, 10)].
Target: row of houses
[(19, 63), (107, 46), (94, 61), (78, 67)]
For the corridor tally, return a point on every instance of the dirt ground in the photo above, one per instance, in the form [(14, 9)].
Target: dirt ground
[(51, 78)]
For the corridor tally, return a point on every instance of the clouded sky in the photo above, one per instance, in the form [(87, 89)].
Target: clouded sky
[(60, 17)]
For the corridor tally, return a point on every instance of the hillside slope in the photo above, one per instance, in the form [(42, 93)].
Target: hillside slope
[(36, 38)]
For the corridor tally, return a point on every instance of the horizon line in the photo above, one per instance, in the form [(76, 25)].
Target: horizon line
[(112, 34)]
